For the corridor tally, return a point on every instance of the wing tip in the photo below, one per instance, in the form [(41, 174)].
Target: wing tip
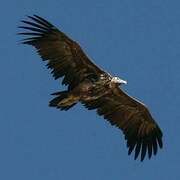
[(144, 147)]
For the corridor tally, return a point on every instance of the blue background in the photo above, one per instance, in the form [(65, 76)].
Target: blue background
[(138, 41)]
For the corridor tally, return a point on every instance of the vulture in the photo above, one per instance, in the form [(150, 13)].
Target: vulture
[(92, 86)]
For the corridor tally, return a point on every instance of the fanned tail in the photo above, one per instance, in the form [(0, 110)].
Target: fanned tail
[(63, 101)]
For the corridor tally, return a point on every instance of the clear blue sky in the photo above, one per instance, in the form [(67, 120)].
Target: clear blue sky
[(136, 40)]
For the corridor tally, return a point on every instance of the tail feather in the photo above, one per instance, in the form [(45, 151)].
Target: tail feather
[(63, 101)]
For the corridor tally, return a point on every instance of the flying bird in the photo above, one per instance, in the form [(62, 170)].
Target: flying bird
[(92, 86)]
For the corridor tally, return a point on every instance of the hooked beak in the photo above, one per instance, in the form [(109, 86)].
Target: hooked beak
[(121, 81)]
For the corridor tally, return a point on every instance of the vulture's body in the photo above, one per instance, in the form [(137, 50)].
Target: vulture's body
[(93, 87)]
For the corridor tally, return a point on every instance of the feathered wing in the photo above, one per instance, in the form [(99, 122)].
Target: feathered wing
[(65, 57), (133, 118)]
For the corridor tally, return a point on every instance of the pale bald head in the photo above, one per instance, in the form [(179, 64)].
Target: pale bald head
[(118, 80)]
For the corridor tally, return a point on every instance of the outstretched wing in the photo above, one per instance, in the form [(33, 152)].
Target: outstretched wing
[(141, 131), (65, 57)]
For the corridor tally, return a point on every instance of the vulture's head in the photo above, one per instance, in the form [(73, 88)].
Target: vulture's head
[(118, 81)]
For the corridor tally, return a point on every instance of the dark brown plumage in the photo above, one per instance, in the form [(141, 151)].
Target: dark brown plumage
[(93, 87)]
